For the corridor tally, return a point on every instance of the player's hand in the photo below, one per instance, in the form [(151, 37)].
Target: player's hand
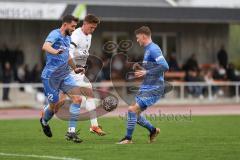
[(78, 70), (140, 73), (59, 51), (137, 66)]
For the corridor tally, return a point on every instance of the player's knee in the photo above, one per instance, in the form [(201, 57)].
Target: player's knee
[(77, 99), (89, 93), (62, 97), (53, 107), (56, 109), (132, 109), (135, 108)]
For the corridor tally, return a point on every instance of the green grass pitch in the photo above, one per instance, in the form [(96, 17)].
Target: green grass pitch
[(204, 137)]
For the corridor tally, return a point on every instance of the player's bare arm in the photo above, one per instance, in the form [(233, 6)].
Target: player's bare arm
[(74, 67), (139, 70), (47, 47)]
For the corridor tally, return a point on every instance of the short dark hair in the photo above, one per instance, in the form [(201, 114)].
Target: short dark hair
[(143, 30), (90, 18), (69, 19)]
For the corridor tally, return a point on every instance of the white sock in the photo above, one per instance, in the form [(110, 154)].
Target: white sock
[(71, 129), (91, 106), (94, 122)]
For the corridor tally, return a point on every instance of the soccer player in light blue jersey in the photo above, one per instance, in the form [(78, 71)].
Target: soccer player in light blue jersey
[(152, 87), (56, 74)]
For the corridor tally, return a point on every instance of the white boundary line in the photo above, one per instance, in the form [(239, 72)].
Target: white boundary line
[(36, 156)]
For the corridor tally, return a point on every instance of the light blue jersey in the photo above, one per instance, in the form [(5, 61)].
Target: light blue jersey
[(152, 88), (56, 74), (57, 65), (155, 65)]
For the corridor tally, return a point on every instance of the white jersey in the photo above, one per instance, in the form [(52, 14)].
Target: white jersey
[(79, 51), (80, 44)]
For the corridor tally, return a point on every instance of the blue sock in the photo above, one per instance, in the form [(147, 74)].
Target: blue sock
[(131, 123), (48, 114), (142, 121), (74, 113)]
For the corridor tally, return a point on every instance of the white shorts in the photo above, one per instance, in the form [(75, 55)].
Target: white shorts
[(81, 80)]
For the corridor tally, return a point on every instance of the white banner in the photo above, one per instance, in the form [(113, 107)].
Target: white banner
[(38, 11)]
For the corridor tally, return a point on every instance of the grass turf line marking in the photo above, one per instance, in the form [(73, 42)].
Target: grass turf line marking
[(37, 156)]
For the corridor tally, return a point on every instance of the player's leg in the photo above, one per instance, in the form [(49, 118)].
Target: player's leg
[(74, 110), (91, 108), (48, 112), (142, 121), (70, 88), (133, 112), (134, 116), (144, 103), (47, 115), (86, 89)]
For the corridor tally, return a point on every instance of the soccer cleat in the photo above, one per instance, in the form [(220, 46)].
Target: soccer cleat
[(153, 135), (73, 136), (125, 140), (98, 130), (46, 129)]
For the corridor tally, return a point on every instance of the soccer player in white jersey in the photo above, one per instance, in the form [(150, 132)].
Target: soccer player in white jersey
[(79, 51)]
